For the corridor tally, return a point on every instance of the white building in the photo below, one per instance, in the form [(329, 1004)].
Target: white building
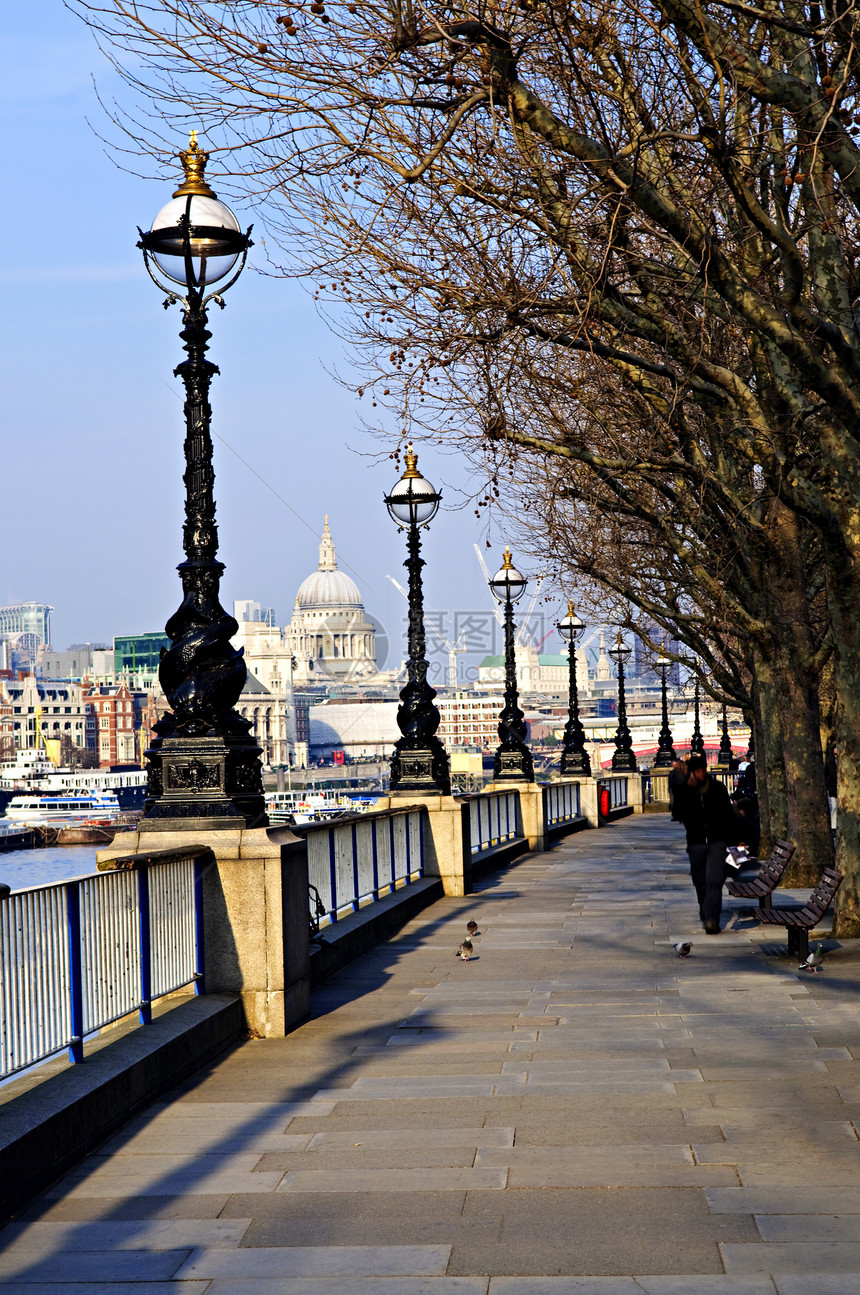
[(330, 634), (358, 728), (546, 673)]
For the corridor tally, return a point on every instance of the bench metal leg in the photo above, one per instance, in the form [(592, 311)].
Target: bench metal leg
[(798, 942)]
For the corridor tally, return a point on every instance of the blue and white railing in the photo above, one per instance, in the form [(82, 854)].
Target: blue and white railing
[(78, 956), (494, 820), (561, 804), (353, 863)]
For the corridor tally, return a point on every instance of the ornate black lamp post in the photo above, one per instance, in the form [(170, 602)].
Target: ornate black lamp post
[(697, 742), (623, 759), (665, 750), (574, 757), (513, 762), (725, 755), (420, 762), (204, 767)]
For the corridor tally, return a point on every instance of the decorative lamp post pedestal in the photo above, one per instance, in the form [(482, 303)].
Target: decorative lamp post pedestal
[(204, 769), (665, 756), (420, 761), (697, 741), (575, 761), (513, 760), (623, 759), (725, 755)]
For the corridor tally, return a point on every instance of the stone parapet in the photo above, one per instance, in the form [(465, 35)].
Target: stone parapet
[(255, 901)]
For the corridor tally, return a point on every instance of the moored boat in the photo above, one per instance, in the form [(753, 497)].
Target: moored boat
[(36, 808)]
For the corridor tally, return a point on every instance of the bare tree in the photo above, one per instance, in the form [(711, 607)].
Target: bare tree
[(666, 191)]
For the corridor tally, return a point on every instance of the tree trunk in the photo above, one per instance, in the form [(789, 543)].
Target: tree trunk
[(843, 602), (770, 766), (807, 809), (796, 680)]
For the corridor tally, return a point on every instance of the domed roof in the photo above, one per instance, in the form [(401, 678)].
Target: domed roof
[(328, 587)]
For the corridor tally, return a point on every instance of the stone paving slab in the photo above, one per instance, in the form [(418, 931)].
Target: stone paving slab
[(572, 1112)]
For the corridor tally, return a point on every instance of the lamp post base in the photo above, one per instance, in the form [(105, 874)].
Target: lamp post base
[(209, 783), (624, 762), (513, 766), (664, 760), (425, 769), (575, 764)]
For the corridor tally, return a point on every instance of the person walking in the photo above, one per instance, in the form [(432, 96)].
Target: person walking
[(702, 804), (677, 777)]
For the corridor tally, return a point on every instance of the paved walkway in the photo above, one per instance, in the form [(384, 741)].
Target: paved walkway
[(573, 1110)]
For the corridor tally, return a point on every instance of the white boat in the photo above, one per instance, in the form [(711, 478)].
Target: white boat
[(314, 806), (32, 771), (33, 808)]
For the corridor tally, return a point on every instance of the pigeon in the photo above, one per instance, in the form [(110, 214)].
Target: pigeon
[(472, 928), (465, 950), (683, 948), (814, 960)]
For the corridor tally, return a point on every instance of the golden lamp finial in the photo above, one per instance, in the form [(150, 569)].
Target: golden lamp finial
[(570, 608), (507, 564), (194, 159), (411, 463), (618, 641)]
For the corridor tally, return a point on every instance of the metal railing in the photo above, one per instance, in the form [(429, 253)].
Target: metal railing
[(77, 956), (494, 820), (352, 863), (617, 791), (561, 803), (655, 787)]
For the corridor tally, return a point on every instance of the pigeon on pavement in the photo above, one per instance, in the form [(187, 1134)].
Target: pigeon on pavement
[(683, 947), (465, 950), (472, 928), (814, 960)]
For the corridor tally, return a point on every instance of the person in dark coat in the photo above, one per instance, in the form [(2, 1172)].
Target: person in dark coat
[(677, 777), (702, 804)]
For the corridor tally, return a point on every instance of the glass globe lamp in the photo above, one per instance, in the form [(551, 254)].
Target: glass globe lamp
[(619, 650), (195, 239), (571, 628), (507, 585), (413, 501)]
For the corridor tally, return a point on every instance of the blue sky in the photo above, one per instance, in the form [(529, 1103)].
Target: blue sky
[(92, 419)]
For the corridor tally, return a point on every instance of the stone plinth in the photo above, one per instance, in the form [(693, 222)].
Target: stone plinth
[(531, 809), (255, 899)]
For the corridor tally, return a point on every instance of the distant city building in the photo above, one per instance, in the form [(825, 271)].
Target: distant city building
[(114, 709), (139, 654), (470, 719), (545, 673), (78, 662), (643, 657), (26, 618), (245, 610), (49, 710), (329, 633), (358, 728), (24, 627)]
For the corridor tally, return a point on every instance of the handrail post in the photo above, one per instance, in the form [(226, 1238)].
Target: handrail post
[(145, 1013), (199, 927), (332, 872), (76, 973)]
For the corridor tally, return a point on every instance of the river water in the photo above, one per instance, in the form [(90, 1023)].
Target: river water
[(23, 868)]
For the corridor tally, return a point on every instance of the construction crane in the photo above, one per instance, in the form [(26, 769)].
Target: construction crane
[(521, 635), (453, 649)]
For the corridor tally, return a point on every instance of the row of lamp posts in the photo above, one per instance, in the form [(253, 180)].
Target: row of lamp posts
[(204, 767)]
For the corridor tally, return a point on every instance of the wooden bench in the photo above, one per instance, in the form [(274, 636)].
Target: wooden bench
[(800, 919), (768, 877)]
